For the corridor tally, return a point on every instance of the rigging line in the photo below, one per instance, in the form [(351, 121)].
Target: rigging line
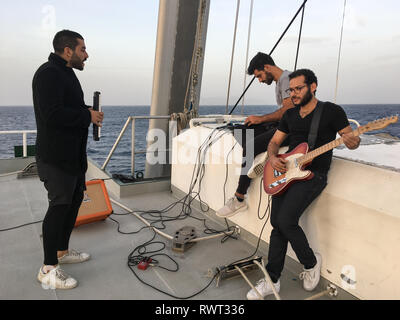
[(232, 56), (196, 55), (298, 43), (340, 51), (273, 49), (247, 51)]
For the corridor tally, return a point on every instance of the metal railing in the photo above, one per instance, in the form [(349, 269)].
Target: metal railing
[(131, 119), (121, 134), (24, 138)]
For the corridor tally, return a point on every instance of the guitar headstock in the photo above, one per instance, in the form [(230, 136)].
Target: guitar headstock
[(379, 124)]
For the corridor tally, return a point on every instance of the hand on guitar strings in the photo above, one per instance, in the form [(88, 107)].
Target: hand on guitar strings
[(278, 163)]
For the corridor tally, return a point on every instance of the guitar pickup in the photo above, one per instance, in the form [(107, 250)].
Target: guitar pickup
[(277, 183), (277, 173)]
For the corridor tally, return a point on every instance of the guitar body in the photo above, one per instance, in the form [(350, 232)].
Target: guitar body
[(275, 182)]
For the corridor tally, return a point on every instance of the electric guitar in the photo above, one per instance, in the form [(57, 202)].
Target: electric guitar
[(276, 182)]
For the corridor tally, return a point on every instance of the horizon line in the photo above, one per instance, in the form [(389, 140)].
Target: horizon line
[(214, 105)]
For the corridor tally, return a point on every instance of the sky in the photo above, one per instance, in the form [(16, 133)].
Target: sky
[(120, 36)]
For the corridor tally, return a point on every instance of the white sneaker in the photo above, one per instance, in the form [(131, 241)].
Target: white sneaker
[(56, 279), (74, 256), (264, 289), (232, 207), (311, 277), (257, 169)]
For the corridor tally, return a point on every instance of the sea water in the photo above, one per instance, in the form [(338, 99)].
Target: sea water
[(23, 118)]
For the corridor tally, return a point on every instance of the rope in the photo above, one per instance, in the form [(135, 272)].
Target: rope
[(249, 283), (10, 173), (247, 51), (273, 49), (196, 56), (182, 119), (340, 50), (267, 277), (233, 53), (298, 43)]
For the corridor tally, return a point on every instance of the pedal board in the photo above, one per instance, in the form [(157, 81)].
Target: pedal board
[(229, 271), (182, 239)]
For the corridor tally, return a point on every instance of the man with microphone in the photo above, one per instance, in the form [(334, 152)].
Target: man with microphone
[(62, 120)]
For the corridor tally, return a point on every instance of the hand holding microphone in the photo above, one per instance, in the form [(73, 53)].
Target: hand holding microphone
[(97, 117)]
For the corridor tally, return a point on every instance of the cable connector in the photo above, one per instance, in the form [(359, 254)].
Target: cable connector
[(144, 263)]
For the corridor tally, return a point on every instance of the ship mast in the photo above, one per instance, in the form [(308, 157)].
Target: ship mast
[(178, 48)]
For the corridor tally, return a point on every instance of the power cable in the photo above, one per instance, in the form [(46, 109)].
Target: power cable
[(298, 42), (157, 217), (21, 226)]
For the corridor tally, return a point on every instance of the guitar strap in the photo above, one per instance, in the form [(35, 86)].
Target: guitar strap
[(312, 136)]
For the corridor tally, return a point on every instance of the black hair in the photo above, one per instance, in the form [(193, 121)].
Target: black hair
[(66, 38), (309, 76), (258, 62)]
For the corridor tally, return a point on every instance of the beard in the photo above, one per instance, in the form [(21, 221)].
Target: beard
[(306, 99), (76, 62), (269, 79)]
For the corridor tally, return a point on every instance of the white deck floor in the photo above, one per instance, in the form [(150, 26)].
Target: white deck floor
[(106, 275)]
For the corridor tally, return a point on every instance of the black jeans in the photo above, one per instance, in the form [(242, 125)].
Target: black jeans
[(285, 214), (262, 135), (65, 194)]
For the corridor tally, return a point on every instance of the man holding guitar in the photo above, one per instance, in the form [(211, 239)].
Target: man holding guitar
[(289, 204)]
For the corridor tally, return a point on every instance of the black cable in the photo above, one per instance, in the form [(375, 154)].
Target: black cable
[(157, 218), (30, 223), (23, 225), (226, 170), (119, 230), (273, 49), (259, 237), (298, 42), (259, 201), (134, 260)]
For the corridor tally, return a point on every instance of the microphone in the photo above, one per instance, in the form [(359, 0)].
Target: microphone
[(96, 107)]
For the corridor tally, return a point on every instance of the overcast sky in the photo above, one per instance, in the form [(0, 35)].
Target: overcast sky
[(121, 37)]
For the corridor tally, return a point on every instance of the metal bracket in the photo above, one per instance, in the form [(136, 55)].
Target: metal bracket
[(182, 239)]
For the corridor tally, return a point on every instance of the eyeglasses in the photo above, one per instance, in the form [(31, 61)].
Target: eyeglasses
[(295, 90)]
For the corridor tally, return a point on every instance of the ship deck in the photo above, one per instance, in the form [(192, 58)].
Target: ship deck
[(107, 275)]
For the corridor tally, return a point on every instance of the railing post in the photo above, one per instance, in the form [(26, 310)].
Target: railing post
[(116, 143), (133, 147), (24, 145)]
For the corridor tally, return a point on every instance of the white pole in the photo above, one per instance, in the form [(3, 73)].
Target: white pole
[(24, 145)]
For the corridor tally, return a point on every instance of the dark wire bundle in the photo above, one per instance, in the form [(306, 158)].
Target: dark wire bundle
[(158, 218)]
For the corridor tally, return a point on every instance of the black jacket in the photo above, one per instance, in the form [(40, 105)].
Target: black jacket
[(62, 118)]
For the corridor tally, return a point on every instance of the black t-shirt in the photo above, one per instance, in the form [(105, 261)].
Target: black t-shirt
[(333, 119)]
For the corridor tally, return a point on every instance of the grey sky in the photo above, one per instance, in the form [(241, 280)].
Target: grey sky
[(121, 36)]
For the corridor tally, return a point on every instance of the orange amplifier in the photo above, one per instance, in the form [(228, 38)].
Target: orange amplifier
[(96, 204)]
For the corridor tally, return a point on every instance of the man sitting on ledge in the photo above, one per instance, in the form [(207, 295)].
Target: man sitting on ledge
[(264, 69)]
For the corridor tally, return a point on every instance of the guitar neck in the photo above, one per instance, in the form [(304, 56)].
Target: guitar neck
[(375, 125), (308, 157)]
